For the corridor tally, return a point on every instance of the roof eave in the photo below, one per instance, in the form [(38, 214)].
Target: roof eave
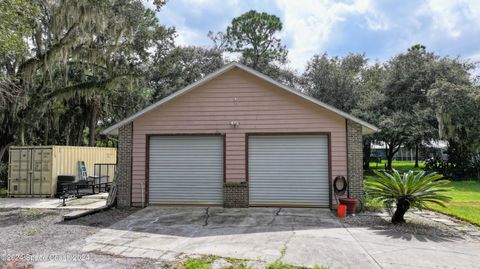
[(113, 130)]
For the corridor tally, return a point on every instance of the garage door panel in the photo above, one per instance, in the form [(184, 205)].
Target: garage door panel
[(288, 170), (186, 170)]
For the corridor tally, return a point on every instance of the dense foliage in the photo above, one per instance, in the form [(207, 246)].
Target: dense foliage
[(70, 68)]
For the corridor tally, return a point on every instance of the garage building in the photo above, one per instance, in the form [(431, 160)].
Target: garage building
[(238, 138)]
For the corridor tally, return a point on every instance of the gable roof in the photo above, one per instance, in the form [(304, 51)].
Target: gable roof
[(113, 130)]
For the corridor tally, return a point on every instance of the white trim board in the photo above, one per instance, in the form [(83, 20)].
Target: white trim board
[(113, 130)]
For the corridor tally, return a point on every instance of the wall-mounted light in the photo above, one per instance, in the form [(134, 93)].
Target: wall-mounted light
[(235, 124)]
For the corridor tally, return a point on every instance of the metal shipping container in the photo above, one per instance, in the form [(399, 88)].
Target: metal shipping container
[(33, 170)]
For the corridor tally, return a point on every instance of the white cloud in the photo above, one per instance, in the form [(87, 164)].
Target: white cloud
[(310, 24), (452, 17), (377, 22), (181, 12), (186, 36), (312, 27)]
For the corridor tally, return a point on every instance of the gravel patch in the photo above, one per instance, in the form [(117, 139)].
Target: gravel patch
[(415, 225), (41, 238)]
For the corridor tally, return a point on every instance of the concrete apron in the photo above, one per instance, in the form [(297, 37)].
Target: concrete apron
[(305, 237)]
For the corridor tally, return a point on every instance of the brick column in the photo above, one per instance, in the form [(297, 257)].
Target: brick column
[(235, 194), (235, 189), (355, 159), (124, 166)]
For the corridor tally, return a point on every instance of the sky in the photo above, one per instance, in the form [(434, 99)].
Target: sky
[(380, 29)]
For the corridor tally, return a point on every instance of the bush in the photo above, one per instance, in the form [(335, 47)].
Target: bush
[(407, 190), (456, 168), (3, 174), (373, 205)]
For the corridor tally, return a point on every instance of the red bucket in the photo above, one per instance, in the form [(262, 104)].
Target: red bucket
[(341, 211)]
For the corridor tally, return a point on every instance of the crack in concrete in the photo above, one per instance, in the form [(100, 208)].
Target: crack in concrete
[(361, 246), (207, 216), (278, 212), (283, 250), (274, 216)]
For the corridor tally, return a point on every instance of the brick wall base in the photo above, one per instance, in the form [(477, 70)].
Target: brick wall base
[(235, 194), (124, 166), (355, 160)]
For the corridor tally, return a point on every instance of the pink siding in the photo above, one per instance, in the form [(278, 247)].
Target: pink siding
[(260, 107)]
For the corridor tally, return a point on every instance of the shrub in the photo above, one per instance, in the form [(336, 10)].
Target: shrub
[(3, 174), (372, 204), (407, 191)]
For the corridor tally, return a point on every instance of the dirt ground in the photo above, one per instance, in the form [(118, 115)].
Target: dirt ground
[(41, 237)]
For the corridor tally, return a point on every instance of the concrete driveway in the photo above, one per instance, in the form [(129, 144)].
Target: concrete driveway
[(305, 237)]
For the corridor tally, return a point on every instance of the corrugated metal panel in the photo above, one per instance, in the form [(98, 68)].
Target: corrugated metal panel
[(186, 170), (42, 178), (288, 170), (19, 169), (67, 158)]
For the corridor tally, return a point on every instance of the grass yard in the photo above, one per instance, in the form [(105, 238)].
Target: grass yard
[(399, 165), (465, 203), (207, 261), (3, 193)]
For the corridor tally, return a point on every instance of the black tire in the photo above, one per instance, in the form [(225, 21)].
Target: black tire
[(359, 208)]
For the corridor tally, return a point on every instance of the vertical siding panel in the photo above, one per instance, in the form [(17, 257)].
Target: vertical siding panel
[(236, 96), (235, 166)]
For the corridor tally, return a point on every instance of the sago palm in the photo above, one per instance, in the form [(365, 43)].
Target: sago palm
[(407, 191)]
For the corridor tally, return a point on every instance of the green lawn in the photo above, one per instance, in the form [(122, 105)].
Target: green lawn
[(399, 165), (3, 193), (465, 203), (207, 261)]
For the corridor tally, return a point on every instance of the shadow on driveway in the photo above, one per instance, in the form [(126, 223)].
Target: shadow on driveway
[(217, 221)]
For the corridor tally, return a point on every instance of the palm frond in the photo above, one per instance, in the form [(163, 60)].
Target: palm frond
[(419, 189)]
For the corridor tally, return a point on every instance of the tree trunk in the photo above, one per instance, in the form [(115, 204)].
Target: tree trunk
[(46, 132), (402, 207), (416, 155), (22, 134), (389, 154), (4, 150), (91, 127), (389, 163), (367, 150), (391, 150)]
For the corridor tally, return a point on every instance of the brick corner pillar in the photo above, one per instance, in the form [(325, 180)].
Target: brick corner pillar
[(355, 159), (124, 162), (235, 194)]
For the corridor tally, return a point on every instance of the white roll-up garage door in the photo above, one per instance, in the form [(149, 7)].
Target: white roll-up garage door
[(186, 170), (288, 170)]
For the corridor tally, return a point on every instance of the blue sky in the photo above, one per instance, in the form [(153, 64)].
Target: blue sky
[(380, 29)]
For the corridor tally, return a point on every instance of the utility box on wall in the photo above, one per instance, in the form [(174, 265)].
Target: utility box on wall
[(33, 170)]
